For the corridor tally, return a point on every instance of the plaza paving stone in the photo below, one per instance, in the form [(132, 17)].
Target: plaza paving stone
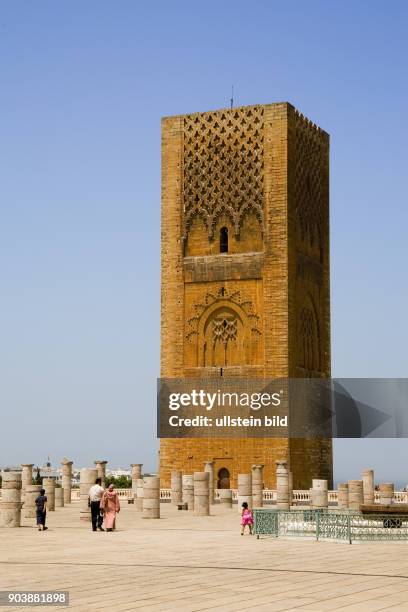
[(188, 564)]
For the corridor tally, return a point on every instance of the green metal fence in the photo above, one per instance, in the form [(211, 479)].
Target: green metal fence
[(345, 525)]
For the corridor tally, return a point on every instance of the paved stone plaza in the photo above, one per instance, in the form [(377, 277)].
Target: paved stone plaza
[(182, 562)]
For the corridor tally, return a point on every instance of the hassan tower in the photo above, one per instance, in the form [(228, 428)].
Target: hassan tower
[(245, 271)]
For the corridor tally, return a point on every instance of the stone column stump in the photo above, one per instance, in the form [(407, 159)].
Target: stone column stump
[(244, 490), (67, 479), (282, 485), (188, 490), (139, 495), (101, 467), (290, 488), (176, 487), (209, 467), (31, 494), (356, 494), (201, 493), (226, 498), (136, 475), (368, 486), (387, 493), (151, 497), (49, 486), (26, 478), (10, 503), (257, 486), (319, 494), (342, 496), (59, 497), (87, 479)]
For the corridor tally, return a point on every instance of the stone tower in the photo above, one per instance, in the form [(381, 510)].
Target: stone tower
[(245, 270)]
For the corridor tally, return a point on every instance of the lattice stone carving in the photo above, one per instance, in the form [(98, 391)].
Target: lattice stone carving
[(308, 181), (222, 297), (308, 269), (224, 329), (309, 340), (223, 167)]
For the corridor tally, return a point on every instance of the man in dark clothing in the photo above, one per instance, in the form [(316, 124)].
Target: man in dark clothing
[(95, 496), (41, 510)]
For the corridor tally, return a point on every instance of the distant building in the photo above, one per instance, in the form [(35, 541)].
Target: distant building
[(119, 472)]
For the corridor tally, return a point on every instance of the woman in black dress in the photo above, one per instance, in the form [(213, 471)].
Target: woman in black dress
[(41, 510)]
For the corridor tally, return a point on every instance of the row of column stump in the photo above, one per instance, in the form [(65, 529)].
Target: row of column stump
[(17, 500), (352, 494), (194, 492), (19, 494), (190, 490)]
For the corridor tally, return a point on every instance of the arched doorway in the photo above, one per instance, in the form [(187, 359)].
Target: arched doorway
[(223, 481)]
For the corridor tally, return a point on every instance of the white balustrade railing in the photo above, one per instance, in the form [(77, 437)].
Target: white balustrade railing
[(299, 496), (165, 494), (269, 496), (124, 492)]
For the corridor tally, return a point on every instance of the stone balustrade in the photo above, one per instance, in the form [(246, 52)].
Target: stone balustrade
[(333, 497), (269, 496), (400, 497), (300, 496)]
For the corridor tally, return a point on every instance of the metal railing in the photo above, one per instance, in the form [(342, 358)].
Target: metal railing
[(346, 525)]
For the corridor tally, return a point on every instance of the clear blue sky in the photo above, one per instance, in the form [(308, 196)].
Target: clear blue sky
[(83, 87)]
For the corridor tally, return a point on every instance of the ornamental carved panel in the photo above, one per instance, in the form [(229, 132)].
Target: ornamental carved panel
[(308, 338), (224, 331), (223, 167), (309, 159)]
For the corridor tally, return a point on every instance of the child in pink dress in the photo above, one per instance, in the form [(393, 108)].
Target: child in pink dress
[(246, 518)]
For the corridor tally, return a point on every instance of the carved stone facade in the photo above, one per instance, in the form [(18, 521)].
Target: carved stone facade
[(223, 168), (223, 330), (245, 270)]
